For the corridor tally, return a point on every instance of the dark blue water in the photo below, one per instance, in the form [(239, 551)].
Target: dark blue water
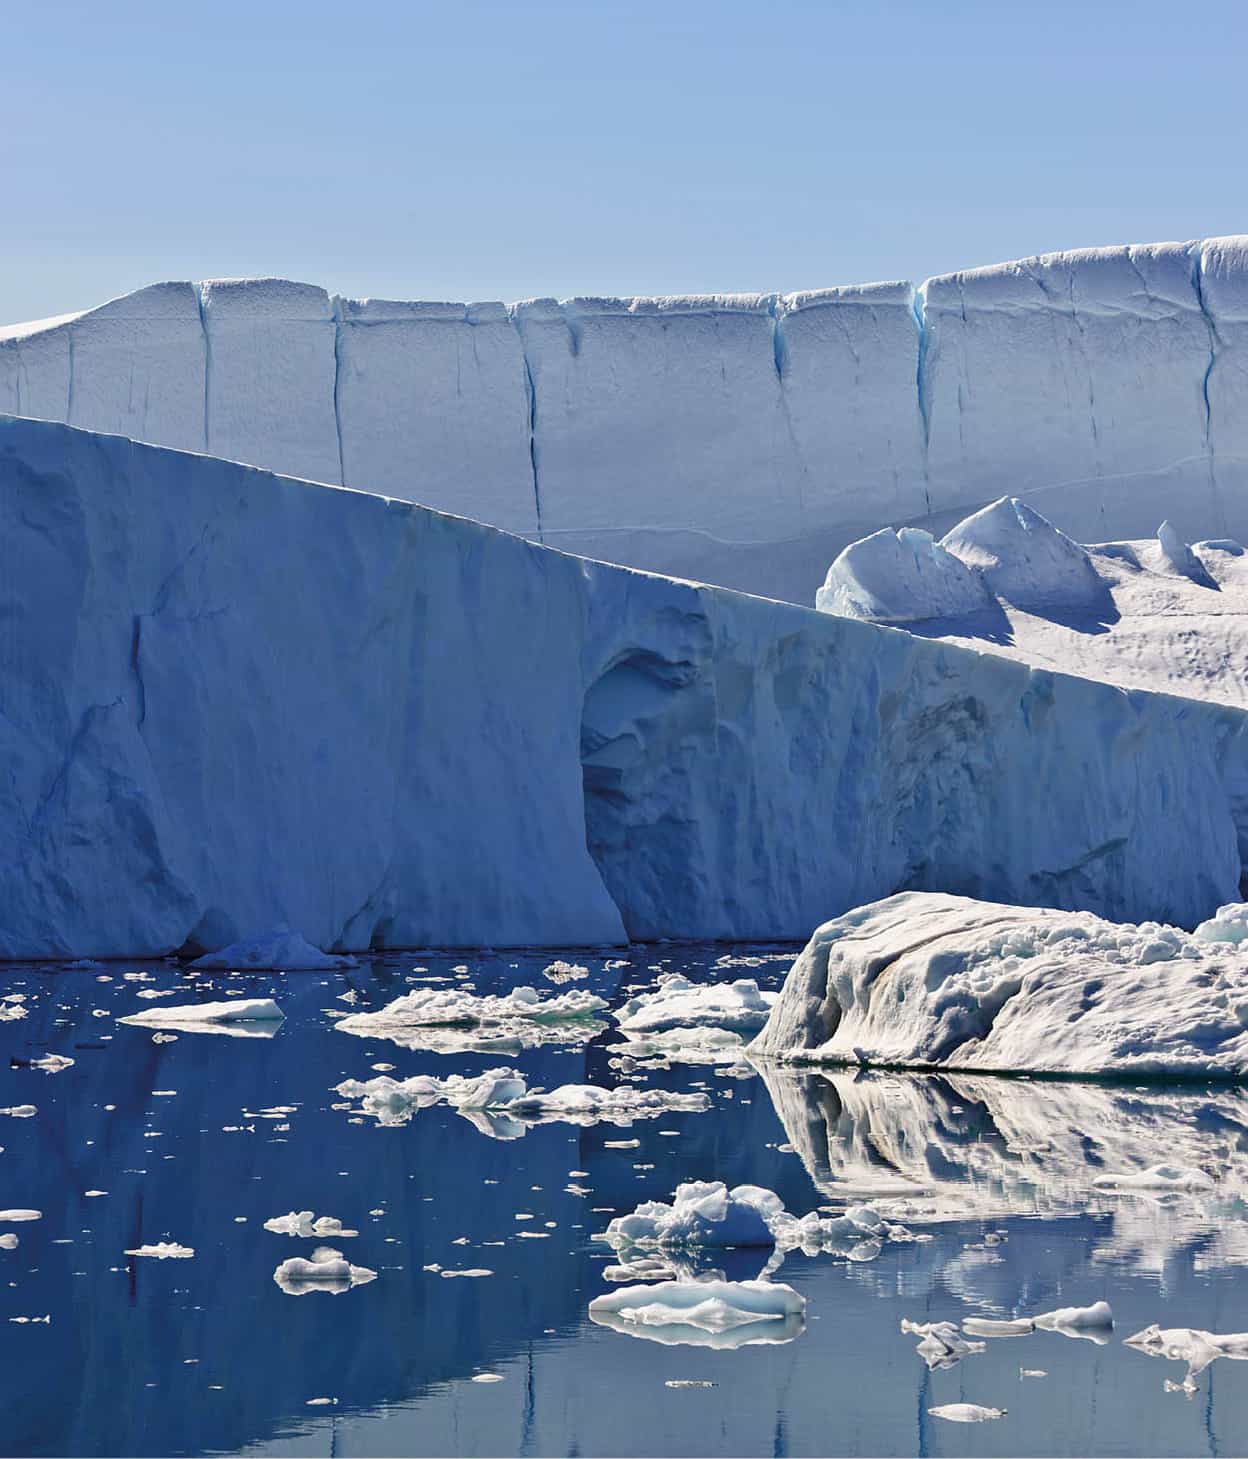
[(210, 1355)]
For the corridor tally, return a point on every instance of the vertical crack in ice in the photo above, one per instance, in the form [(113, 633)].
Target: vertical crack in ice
[(203, 325), (136, 669), (1198, 288), (336, 304), (776, 311), (918, 307), (779, 344), (530, 390)]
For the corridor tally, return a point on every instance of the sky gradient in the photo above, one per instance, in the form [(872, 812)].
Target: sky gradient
[(472, 150)]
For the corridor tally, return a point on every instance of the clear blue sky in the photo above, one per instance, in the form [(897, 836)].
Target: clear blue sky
[(473, 150)]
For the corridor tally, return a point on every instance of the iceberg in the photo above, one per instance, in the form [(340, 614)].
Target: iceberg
[(326, 1270), (1021, 557), (302, 1223), (714, 1313), (1190, 1345), (901, 576), (940, 1344), (737, 1007), (498, 1016), (966, 1413), (210, 1017), (701, 1213), (929, 980), (164, 719)]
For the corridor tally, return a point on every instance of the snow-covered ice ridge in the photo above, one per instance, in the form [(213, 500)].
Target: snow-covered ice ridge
[(738, 439), (234, 701)]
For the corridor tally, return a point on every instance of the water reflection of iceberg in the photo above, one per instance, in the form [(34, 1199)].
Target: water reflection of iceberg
[(932, 1148), (708, 1313)]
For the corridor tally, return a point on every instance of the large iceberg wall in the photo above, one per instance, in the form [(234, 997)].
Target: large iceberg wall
[(230, 699), (738, 439)]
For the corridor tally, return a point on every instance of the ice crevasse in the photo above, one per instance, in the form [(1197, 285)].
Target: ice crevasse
[(740, 439)]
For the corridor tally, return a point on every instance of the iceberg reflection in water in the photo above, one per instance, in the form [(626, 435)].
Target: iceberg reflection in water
[(1030, 1197)]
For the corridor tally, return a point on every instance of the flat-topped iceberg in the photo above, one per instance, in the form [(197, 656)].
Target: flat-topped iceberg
[(238, 1015), (715, 1314), (928, 980), (677, 1003)]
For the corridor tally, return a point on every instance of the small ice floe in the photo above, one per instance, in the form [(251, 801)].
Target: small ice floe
[(940, 1344), (500, 1103), (20, 1111), (1095, 1323), (998, 1327), (304, 1224), (279, 950), (150, 994), (451, 1020), (470, 1271), (715, 1314), (162, 1250), (1032, 1373), (966, 1413), (326, 1270), (487, 1378), (52, 1063), (8, 1240), (647, 1269), (241, 1017), (561, 972), (1190, 1345), (689, 1383), (706, 1045), (11, 1012), (320, 1402), (46, 1319), (677, 1003), (1156, 1178), (20, 1214)]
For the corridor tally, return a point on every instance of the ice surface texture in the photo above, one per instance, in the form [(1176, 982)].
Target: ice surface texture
[(740, 439), (928, 980), (509, 745)]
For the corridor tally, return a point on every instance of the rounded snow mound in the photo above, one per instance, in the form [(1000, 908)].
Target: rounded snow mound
[(900, 577)]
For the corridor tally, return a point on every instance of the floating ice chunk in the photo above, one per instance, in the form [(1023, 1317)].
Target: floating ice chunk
[(278, 950), (966, 1413), (211, 1017), (507, 1016), (715, 1314), (487, 1378), (1156, 1178), (501, 1104), (8, 1240), (1023, 558), (326, 1270), (52, 1063), (162, 1250), (1228, 924), (472, 1271), (562, 972), (678, 1003), (1190, 1345), (997, 1327), (20, 1111), (11, 1012), (706, 1045), (900, 577), (20, 1215), (935, 981), (302, 1223), (702, 1213), (647, 1269), (1094, 1322), (941, 1345)]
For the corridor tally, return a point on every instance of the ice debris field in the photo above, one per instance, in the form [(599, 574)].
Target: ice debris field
[(837, 700)]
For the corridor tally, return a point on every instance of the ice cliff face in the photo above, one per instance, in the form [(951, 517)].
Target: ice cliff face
[(739, 439), (231, 701)]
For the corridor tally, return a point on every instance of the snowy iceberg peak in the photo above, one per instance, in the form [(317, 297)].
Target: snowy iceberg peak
[(1023, 558)]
